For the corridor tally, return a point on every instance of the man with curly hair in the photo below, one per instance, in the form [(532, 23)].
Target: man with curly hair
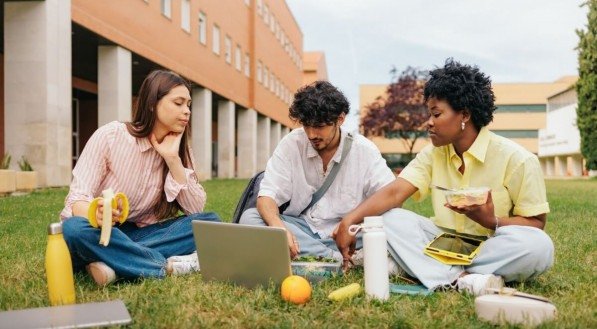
[(464, 153), (300, 164)]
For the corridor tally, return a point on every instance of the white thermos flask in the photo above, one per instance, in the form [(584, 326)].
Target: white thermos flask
[(377, 283)]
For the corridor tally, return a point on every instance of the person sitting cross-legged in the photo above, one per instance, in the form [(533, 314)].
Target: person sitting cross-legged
[(464, 153), (150, 161), (302, 162)]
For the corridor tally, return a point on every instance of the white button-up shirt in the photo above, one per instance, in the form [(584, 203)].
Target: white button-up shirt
[(295, 172)]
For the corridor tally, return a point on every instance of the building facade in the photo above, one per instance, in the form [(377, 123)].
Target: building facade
[(70, 66), (521, 113), (559, 142)]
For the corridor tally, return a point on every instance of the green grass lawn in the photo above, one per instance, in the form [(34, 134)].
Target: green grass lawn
[(179, 302)]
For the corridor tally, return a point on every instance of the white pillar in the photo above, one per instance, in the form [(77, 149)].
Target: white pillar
[(543, 163), (114, 84), (549, 166), (37, 87), (285, 131), (274, 136), (263, 140), (201, 132), (247, 143), (559, 166), (226, 120), (576, 165)]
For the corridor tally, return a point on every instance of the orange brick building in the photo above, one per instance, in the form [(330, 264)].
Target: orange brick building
[(71, 66)]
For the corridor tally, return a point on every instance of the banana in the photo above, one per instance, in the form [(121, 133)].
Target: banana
[(108, 194), (348, 291)]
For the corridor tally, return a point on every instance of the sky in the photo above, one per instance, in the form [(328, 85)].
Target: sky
[(510, 40)]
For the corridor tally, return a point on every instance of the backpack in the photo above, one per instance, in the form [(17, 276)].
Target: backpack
[(248, 199)]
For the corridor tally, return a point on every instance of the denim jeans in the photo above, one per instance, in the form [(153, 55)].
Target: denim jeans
[(133, 252), (310, 244)]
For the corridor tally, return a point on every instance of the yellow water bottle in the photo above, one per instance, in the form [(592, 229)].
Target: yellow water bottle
[(59, 268)]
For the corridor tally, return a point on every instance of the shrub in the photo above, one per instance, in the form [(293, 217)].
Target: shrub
[(24, 164), (5, 161)]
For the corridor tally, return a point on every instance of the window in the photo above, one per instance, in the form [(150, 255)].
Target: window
[(259, 72), (185, 15), (202, 28), (216, 40), (265, 77), (247, 65), (238, 58), (272, 84), (266, 15), (272, 23), (228, 49), (259, 7), (277, 30), (167, 8)]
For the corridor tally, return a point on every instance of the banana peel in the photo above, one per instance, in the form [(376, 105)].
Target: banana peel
[(108, 194)]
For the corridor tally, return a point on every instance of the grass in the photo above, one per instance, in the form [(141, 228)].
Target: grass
[(182, 302)]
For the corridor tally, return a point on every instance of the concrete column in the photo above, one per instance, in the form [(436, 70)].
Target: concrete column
[(549, 166), (576, 165), (37, 87), (226, 158), (247, 143), (201, 132), (285, 131), (543, 163), (263, 139), (114, 84), (559, 166), (274, 136)]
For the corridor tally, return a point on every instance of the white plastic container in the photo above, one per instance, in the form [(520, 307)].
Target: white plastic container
[(509, 306), (377, 284)]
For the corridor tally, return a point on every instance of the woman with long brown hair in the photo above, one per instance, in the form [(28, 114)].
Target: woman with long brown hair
[(149, 160)]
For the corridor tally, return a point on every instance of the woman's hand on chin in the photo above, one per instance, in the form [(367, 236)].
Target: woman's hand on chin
[(169, 146)]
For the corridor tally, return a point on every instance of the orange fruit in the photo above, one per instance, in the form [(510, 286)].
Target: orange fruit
[(296, 289)]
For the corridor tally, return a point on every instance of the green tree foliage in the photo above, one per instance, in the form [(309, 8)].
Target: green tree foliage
[(402, 113), (586, 87)]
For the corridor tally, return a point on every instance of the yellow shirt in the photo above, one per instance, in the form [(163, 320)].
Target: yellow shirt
[(511, 172)]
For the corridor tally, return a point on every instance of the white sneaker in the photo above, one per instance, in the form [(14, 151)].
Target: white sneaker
[(477, 284), (184, 264), (394, 268), (358, 258), (101, 273)]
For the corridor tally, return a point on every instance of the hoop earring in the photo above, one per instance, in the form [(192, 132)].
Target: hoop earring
[(462, 125)]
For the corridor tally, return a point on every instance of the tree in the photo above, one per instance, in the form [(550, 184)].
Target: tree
[(586, 87), (402, 113)]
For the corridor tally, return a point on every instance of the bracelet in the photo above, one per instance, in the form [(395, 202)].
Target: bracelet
[(497, 223)]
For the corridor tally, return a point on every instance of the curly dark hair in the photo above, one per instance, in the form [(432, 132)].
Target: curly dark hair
[(319, 103), (464, 87)]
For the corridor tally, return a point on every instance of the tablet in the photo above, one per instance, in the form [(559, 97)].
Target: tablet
[(453, 249)]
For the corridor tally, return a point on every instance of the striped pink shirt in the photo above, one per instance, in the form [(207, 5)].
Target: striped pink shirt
[(113, 158)]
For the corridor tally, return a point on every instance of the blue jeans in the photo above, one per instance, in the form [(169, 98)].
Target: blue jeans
[(517, 253), (310, 243), (133, 252)]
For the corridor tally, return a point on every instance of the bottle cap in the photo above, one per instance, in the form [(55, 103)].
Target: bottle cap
[(55, 228), (373, 221)]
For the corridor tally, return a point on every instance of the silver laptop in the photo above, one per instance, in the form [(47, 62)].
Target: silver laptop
[(242, 254), (68, 316)]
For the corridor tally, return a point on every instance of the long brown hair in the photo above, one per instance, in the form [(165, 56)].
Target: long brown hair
[(155, 86)]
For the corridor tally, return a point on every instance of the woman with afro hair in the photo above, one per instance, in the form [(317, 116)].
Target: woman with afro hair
[(464, 153)]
